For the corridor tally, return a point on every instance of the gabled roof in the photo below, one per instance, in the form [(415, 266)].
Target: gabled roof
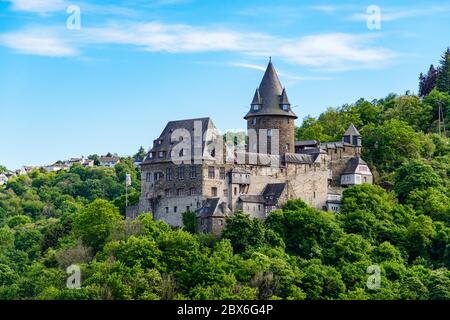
[(165, 137), (271, 94), (257, 98), (353, 164), (109, 159), (252, 198), (284, 97), (306, 143), (272, 192), (213, 207), (352, 131)]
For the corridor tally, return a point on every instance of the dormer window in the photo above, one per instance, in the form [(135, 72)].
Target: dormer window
[(161, 154), (285, 107), (150, 155), (256, 107), (159, 142)]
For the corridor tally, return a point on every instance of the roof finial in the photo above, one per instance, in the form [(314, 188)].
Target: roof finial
[(270, 59)]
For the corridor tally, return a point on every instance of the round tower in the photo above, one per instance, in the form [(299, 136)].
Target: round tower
[(271, 110)]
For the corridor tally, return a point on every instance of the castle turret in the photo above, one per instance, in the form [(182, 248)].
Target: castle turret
[(352, 136), (271, 110)]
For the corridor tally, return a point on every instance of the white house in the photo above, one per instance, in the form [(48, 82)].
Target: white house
[(106, 161), (356, 172), (3, 179)]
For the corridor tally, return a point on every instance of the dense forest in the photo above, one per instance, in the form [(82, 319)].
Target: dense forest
[(401, 225)]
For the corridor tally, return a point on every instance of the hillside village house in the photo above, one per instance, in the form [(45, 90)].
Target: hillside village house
[(3, 179), (108, 161), (214, 187)]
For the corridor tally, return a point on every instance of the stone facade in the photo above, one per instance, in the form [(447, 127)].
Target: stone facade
[(189, 169)]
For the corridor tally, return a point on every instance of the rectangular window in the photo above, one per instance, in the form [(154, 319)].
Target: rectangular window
[(167, 209), (235, 191), (180, 192), (175, 209), (168, 192), (269, 132), (192, 191), (225, 192), (211, 173), (148, 176), (222, 173), (156, 176), (214, 191), (188, 208), (180, 173), (161, 154), (169, 174), (193, 172), (150, 155)]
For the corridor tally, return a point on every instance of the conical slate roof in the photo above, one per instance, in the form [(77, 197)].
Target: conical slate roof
[(272, 96), (352, 131)]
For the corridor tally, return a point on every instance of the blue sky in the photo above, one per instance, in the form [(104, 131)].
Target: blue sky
[(134, 65)]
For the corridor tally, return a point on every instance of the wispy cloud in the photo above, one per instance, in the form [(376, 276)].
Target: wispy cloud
[(394, 14), (37, 6), (329, 51), (325, 8), (281, 73), (42, 42), (45, 7)]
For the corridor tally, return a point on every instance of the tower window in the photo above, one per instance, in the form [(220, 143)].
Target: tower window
[(254, 121), (269, 132), (211, 173), (256, 107), (285, 107)]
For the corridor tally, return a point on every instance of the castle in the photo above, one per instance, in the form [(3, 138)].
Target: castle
[(191, 167)]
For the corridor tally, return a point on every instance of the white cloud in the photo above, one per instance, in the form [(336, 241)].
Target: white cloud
[(394, 14), (325, 8), (38, 42), (331, 51), (38, 6), (283, 74)]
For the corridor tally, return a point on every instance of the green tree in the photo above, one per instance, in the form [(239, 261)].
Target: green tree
[(443, 80), (390, 144), (419, 236), (189, 221), (243, 232), (94, 224), (414, 175)]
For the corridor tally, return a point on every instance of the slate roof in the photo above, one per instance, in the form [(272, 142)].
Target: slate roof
[(213, 207), (352, 131), (272, 192), (306, 143), (165, 136), (334, 145), (301, 158), (353, 164), (109, 159), (271, 95), (252, 198)]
